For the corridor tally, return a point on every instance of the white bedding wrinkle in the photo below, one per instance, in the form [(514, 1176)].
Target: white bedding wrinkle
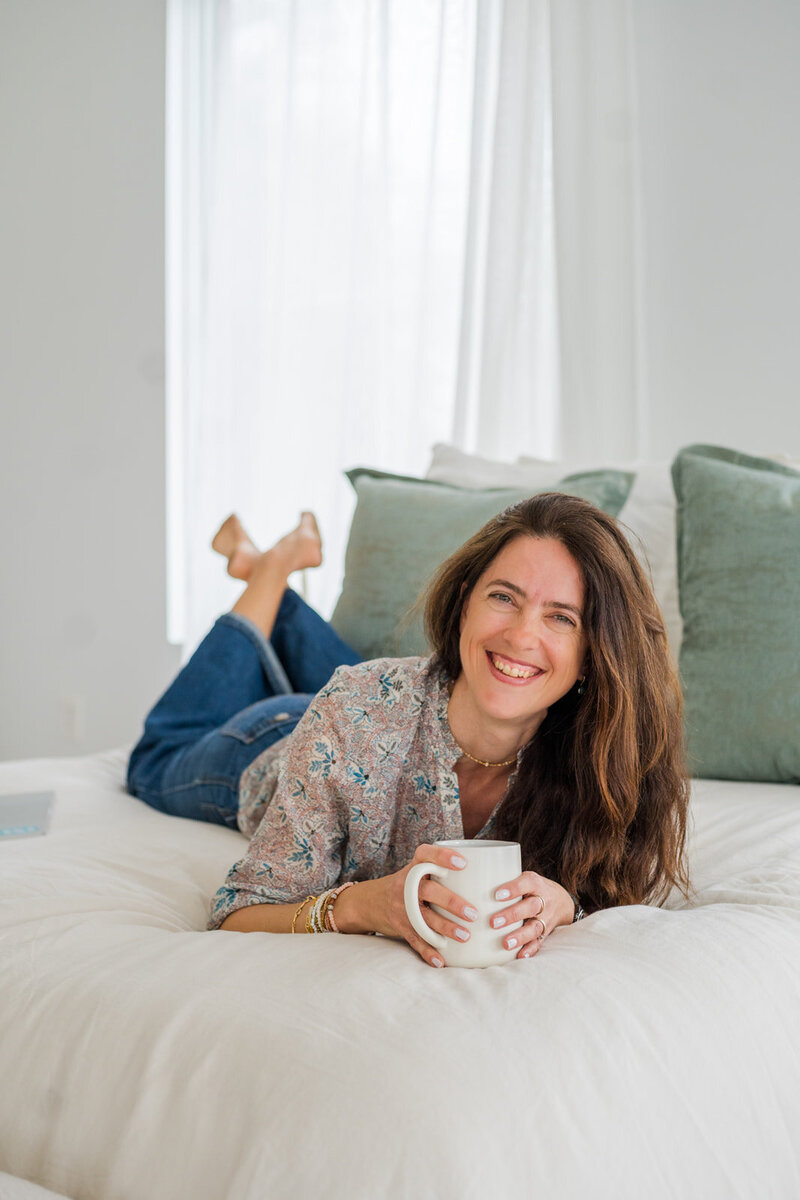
[(644, 1051)]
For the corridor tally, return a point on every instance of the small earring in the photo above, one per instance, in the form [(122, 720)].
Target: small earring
[(582, 685)]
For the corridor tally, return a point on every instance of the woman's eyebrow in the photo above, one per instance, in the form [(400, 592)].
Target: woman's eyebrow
[(513, 587)]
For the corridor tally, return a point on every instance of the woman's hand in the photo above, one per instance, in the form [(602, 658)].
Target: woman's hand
[(378, 905), (543, 905)]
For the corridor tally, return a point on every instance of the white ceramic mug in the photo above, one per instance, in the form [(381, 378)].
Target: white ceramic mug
[(489, 864)]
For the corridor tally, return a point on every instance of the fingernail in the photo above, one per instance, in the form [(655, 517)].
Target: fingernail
[(511, 943), (497, 922), (437, 962), (471, 913), (462, 934), (502, 894), (457, 861)]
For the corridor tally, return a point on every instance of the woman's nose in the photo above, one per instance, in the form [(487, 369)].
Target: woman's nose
[(526, 629)]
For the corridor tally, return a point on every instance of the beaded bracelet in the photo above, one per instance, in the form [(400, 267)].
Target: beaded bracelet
[(330, 922), (324, 909), (313, 922), (319, 918)]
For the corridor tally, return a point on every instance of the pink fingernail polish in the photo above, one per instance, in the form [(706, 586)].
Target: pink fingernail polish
[(511, 943), (457, 861), (502, 894), (437, 962), (462, 934), (497, 922), (471, 913)]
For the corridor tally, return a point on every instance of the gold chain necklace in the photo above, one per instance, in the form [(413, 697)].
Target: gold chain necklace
[(507, 763)]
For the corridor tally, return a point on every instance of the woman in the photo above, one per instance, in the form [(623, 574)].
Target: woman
[(549, 713)]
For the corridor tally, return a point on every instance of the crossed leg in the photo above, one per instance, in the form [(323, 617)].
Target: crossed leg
[(266, 574), (245, 687)]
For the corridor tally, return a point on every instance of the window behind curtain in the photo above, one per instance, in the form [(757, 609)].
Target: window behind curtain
[(318, 188)]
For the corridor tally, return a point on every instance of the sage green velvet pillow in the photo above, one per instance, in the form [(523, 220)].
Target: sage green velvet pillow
[(739, 581), (404, 528)]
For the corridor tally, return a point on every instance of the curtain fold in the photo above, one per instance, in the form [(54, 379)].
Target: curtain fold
[(507, 391), (552, 334)]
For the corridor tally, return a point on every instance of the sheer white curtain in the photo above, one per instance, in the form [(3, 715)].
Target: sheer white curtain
[(507, 395), (329, 152), (390, 222)]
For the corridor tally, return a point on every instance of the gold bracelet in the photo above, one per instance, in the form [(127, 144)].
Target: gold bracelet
[(299, 909)]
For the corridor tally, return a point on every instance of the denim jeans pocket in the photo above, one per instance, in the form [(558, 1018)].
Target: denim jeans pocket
[(276, 716)]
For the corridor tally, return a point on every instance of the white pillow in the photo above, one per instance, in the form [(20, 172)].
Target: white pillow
[(648, 516), (450, 465)]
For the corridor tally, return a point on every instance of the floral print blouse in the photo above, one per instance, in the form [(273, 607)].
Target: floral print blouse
[(366, 777)]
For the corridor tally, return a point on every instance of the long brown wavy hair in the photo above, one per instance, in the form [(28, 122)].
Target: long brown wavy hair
[(599, 801)]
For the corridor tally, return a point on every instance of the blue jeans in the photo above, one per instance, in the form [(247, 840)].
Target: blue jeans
[(238, 694)]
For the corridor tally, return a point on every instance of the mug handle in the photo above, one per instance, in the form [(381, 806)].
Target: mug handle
[(413, 910)]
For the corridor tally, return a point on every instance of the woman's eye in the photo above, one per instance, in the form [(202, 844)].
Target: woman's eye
[(501, 596), (562, 618)]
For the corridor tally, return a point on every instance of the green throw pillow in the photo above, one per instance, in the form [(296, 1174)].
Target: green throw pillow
[(404, 528), (739, 580)]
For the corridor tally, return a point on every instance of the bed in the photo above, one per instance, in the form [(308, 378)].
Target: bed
[(645, 1051), (145, 1058)]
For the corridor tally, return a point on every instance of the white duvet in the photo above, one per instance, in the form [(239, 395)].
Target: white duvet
[(644, 1053)]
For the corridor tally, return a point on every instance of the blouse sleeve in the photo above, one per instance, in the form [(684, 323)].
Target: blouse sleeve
[(297, 848)]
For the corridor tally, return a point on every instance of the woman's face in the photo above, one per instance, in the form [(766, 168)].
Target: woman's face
[(522, 636)]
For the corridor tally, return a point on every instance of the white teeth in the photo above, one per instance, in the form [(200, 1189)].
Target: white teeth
[(509, 669)]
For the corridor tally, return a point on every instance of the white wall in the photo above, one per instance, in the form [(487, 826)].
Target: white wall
[(82, 607), (719, 91)]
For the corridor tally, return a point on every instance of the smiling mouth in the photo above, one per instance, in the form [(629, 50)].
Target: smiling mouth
[(512, 670)]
